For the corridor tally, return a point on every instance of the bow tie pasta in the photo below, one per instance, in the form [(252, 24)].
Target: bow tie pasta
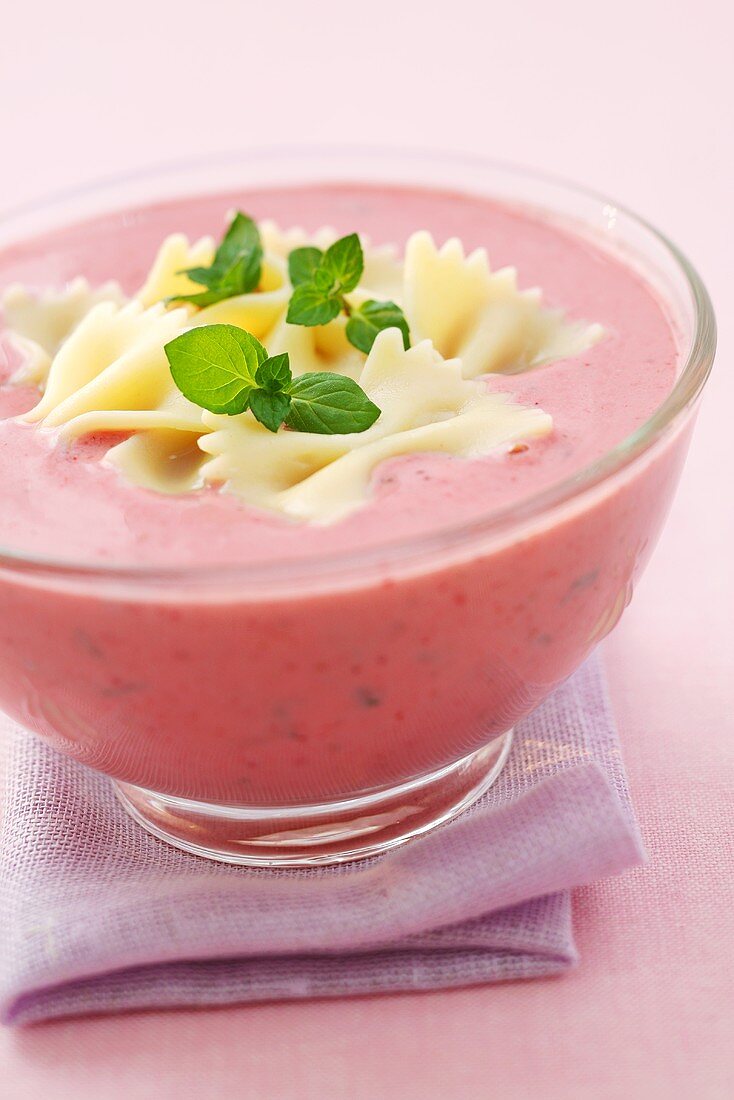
[(481, 317), (426, 406), (39, 323), (101, 365)]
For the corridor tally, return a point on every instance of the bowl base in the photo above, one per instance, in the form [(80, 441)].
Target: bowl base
[(316, 835)]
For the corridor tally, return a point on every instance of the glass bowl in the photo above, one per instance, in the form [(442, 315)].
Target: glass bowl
[(286, 713)]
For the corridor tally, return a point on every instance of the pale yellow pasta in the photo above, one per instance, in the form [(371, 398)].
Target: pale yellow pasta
[(175, 255), (35, 362), (339, 488), (383, 273), (107, 371), (444, 291), (40, 323), (321, 348), (162, 458), (383, 270), (258, 465), (426, 406), (281, 242), (481, 317), (257, 312), (114, 365)]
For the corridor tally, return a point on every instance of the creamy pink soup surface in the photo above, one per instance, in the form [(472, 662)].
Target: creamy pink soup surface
[(236, 692), (62, 501)]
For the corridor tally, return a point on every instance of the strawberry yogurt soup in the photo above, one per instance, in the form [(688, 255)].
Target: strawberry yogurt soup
[(88, 513), (270, 662)]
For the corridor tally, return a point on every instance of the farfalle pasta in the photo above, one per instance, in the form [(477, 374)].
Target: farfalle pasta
[(481, 317), (103, 369), (111, 374), (39, 323), (426, 406)]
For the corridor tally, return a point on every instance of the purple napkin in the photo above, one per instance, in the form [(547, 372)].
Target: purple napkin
[(95, 915)]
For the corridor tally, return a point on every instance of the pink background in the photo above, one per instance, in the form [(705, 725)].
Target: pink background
[(628, 98)]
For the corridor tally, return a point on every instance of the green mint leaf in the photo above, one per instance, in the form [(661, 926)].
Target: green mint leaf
[(345, 262), (324, 280), (235, 269), (215, 366), (329, 404), (242, 238), (302, 264), (205, 298), (369, 319), (206, 276), (311, 306), (218, 292), (270, 407), (243, 274), (275, 373)]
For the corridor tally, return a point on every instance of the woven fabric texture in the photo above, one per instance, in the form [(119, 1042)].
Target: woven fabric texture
[(95, 915)]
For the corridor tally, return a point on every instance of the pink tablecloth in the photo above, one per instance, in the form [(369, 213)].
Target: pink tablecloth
[(628, 98)]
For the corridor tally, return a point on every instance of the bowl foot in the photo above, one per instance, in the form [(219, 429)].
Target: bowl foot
[(316, 835)]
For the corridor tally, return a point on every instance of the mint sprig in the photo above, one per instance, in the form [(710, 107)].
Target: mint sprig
[(215, 366), (367, 321), (302, 264), (270, 401), (235, 269), (310, 305), (321, 281), (225, 369), (329, 404)]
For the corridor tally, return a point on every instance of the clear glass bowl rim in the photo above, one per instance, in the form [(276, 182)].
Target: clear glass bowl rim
[(500, 522)]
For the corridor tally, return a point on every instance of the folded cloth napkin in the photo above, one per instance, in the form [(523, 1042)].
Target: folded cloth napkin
[(95, 915)]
